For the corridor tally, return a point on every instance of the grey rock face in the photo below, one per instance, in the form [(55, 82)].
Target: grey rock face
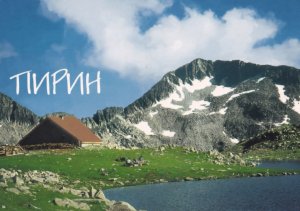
[(205, 104), (12, 111), (15, 120)]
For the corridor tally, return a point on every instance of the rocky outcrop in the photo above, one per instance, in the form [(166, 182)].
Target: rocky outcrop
[(30, 177), (68, 203), (19, 182), (286, 137), (15, 120)]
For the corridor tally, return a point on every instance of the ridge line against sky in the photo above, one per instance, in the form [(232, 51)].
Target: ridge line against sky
[(134, 43)]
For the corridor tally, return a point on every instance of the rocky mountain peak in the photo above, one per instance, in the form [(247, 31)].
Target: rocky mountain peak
[(207, 105), (196, 69)]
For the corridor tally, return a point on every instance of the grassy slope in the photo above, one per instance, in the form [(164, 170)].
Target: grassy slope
[(85, 165)]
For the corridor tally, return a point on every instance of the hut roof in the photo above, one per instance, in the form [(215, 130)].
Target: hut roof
[(74, 127)]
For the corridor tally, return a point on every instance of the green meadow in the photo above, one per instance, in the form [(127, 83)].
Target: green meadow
[(99, 166)]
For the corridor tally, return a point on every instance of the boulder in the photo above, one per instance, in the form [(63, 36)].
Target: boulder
[(259, 175), (128, 162), (163, 181), (100, 195), (2, 179), (24, 189), (121, 206), (68, 203), (35, 179), (18, 181), (64, 189), (188, 179), (114, 179), (120, 183), (13, 190), (85, 194), (161, 148), (92, 192), (75, 192), (3, 184), (52, 180), (6, 174)]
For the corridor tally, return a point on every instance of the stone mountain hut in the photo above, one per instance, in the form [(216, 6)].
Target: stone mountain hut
[(55, 131)]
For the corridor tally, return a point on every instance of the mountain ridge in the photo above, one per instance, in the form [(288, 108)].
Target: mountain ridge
[(191, 71), (253, 93)]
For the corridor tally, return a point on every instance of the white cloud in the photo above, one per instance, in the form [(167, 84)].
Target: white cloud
[(119, 44), (6, 50)]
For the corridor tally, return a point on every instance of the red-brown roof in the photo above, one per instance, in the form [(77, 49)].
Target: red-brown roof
[(74, 127)]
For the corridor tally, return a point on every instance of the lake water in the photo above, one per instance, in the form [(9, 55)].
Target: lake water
[(255, 193)]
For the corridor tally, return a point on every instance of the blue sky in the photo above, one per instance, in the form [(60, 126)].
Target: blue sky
[(133, 43)]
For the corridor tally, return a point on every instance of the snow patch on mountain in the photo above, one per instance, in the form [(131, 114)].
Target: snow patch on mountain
[(296, 106), (168, 102), (188, 112), (221, 90), (128, 137), (239, 94), (285, 121), (144, 126), (260, 79), (168, 133), (198, 84), (197, 105), (153, 113), (221, 111), (260, 123), (233, 140), (178, 94), (282, 97)]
